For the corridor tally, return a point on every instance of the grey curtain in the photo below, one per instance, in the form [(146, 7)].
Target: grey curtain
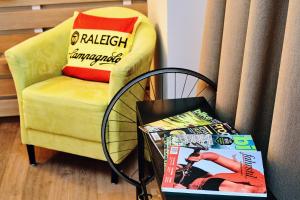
[(251, 48)]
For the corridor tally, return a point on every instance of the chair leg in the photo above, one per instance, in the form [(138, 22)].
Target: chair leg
[(31, 154), (114, 177)]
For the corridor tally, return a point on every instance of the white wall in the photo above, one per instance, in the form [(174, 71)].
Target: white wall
[(157, 12), (185, 27), (180, 26)]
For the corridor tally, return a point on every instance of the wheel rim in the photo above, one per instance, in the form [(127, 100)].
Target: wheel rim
[(129, 85)]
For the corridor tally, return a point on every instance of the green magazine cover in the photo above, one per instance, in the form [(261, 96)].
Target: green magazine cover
[(183, 120)]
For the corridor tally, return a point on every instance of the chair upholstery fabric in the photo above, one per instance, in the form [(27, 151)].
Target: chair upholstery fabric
[(66, 106), (64, 113)]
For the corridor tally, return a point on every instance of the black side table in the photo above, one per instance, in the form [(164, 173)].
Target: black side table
[(149, 111)]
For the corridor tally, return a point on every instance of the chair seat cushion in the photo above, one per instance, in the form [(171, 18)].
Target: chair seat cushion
[(66, 106)]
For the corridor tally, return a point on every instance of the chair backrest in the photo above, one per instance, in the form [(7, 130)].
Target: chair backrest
[(23, 58), (112, 12), (117, 12)]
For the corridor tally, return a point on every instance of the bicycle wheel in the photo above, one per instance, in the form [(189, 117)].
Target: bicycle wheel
[(118, 131)]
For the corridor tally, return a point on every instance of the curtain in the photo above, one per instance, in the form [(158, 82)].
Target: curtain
[(251, 49)]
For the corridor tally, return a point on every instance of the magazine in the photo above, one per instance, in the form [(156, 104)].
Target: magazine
[(214, 172), (159, 138), (183, 120), (207, 141), (216, 128), (238, 142)]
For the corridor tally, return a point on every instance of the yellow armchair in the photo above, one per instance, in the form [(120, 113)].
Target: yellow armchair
[(64, 113)]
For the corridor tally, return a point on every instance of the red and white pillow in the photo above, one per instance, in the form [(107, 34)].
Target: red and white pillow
[(98, 43)]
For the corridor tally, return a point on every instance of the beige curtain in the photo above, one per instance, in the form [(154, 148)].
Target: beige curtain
[(251, 48)]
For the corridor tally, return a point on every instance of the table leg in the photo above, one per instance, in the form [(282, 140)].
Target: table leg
[(138, 193), (141, 161), (142, 190)]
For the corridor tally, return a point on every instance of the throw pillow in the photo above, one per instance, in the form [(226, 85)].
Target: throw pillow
[(98, 43)]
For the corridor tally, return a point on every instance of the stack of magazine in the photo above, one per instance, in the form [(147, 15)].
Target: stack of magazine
[(205, 158)]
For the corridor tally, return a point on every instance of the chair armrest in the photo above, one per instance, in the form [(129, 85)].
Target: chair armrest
[(137, 61), (40, 57)]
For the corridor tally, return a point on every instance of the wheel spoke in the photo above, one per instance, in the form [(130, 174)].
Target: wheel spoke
[(124, 116), (162, 88), (175, 86), (145, 92), (134, 95), (121, 121), (201, 91), (128, 140), (193, 87), (121, 151), (124, 156), (183, 86), (151, 85), (134, 172), (122, 131), (127, 105)]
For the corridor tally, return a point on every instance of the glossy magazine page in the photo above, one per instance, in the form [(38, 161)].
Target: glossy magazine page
[(215, 128), (231, 142), (214, 172), (186, 119)]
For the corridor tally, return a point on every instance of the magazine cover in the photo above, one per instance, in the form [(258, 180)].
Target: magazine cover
[(214, 172), (184, 120), (217, 128), (207, 141), (237, 142), (186, 140)]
